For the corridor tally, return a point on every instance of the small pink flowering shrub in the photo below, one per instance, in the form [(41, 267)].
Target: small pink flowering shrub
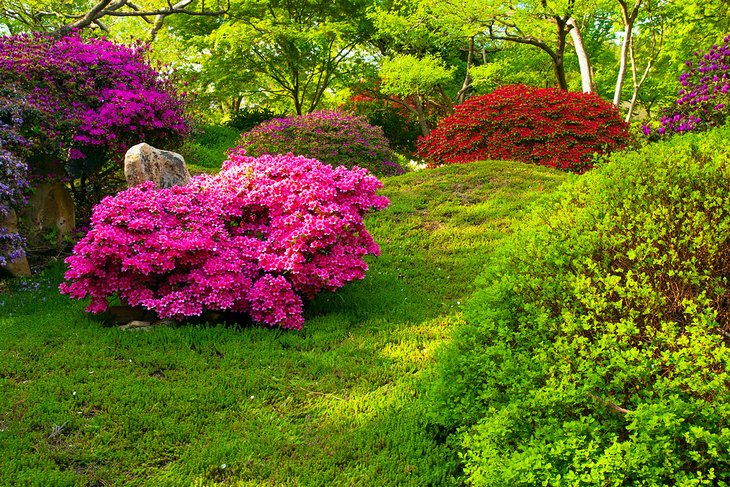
[(332, 137), (256, 238)]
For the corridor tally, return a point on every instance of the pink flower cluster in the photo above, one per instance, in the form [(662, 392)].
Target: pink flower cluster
[(256, 238), (90, 97)]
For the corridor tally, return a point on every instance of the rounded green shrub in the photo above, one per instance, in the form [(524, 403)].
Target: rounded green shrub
[(597, 346), (331, 137)]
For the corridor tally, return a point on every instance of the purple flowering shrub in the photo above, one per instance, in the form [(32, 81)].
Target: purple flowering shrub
[(13, 183), (13, 176), (93, 99), (332, 137), (703, 98), (256, 238)]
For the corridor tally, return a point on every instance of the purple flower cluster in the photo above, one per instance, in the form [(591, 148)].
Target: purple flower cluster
[(12, 186), (703, 99), (257, 238), (93, 96), (13, 180), (332, 137)]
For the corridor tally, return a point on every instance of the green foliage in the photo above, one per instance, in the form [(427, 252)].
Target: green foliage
[(279, 52), (406, 75), (597, 349), (247, 118), (399, 125), (208, 147), (339, 403)]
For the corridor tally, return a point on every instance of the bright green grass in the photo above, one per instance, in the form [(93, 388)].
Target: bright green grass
[(339, 403), (208, 148)]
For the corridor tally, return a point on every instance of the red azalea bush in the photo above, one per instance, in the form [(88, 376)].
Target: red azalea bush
[(545, 126), (256, 238)]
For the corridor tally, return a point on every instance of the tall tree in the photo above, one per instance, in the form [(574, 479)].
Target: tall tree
[(629, 10), (411, 78), (289, 49)]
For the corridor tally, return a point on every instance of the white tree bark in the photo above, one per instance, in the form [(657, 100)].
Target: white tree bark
[(628, 18), (586, 71)]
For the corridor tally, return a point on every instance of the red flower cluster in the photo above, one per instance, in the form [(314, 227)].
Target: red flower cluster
[(545, 126)]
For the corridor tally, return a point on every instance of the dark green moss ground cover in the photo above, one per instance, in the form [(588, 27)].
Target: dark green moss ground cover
[(339, 403)]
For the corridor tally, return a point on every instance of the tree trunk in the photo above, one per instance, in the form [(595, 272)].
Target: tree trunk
[(559, 57), (628, 18), (638, 83), (466, 86), (586, 71), (420, 115)]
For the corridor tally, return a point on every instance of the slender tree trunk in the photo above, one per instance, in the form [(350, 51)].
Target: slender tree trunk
[(559, 57), (628, 18), (420, 114), (639, 82), (466, 86), (586, 71)]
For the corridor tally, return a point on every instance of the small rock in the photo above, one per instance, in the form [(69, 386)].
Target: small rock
[(165, 322), (145, 163), (136, 325)]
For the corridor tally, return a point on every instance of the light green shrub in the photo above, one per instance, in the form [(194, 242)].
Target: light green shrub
[(597, 346)]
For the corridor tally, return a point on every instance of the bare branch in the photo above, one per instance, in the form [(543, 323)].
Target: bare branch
[(114, 8), (610, 404)]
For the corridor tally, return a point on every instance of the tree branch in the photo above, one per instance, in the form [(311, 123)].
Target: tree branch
[(610, 404), (113, 8)]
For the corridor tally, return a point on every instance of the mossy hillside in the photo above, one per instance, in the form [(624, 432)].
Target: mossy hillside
[(339, 403)]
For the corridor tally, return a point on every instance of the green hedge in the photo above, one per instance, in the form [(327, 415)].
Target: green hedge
[(596, 350)]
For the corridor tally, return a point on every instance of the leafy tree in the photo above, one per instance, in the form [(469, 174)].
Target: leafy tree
[(62, 18), (411, 78), (283, 50)]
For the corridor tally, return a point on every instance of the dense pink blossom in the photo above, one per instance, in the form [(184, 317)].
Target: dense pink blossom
[(259, 237), (93, 99), (332, 137)]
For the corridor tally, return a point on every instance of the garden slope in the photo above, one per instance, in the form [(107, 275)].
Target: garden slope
[(338, 403)]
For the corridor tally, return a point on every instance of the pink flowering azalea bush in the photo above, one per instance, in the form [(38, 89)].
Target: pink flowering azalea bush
[(91, 100), (335, 138), (258, 238)]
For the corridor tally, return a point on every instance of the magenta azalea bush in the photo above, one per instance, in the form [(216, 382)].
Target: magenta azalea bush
[(332, 137), (258, 238), (93, 99), (703, 97)]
